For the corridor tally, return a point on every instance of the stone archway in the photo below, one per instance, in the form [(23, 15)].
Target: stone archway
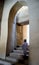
[(12, 14)]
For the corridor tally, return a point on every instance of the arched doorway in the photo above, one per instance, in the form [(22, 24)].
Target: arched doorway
[(12, 14)]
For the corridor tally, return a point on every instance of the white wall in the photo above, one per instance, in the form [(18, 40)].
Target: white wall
[(13, 35), (23, 14), (34, 31), (4, 27)]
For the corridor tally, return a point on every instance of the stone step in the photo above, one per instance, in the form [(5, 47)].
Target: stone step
[(27, 51), (11, 59), (16, 55), (4, 63), (19, 48), (18, 51), (27, 55)]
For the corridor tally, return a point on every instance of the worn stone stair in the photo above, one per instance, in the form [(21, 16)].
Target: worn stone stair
[(8, 61), (15, 55), (11, 59), (4, 63), (19, 48), (18, 51)]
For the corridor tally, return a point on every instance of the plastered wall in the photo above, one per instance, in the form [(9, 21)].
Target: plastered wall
[(34, 31)]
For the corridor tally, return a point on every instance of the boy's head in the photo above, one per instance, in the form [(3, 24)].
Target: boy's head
[(25, 40)]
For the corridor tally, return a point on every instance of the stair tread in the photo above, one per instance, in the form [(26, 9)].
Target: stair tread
[(4, 63), (18, 54), (11, 59)]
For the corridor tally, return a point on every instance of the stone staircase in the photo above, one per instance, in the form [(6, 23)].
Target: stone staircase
[(18, 53), (13, 57)]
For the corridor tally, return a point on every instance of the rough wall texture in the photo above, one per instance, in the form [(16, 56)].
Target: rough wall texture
[(19, 34), (24, 32)]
